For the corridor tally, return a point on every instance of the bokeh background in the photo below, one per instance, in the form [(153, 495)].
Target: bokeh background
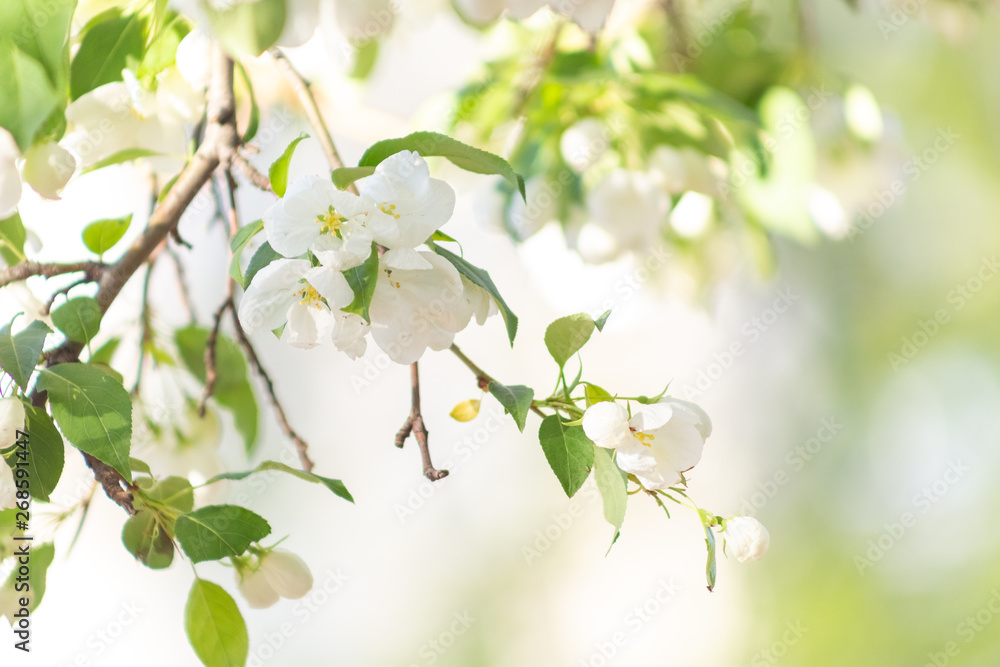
[(875, 474)]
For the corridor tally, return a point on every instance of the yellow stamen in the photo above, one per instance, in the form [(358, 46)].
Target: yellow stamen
[(644, 438), (389, 209), (310, 297), (330, 221)]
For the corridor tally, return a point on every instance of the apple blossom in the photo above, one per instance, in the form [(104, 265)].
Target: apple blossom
[(630, 206), (746, 538), (657, 444), (409, 204), (47, 168), (271, 574), (314, 214), (413, 309), (289, 290), (119, 116), (583, 143)]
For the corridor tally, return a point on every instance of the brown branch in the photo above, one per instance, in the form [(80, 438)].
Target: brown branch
[(211, 370), (483, 378), (303, 91), (300, 445), (415, 424), (111, 481), (182, 285), (258, 179), (92, 271), (220, 144)]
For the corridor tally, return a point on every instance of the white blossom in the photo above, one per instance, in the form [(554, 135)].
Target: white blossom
[(291, 291), (657, 444), (274, 574), (408, 204), (415, 309), (47, 168), (123, 115), (583, 143), (746, 538), (631, 207), (315, 215)]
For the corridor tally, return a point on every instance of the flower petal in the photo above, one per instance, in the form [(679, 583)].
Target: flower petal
[(268, 298)]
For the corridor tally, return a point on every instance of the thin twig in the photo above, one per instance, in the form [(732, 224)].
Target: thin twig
[(92, 271), (483, 378), (300, 445), (182, 285), (144, 322), (303, 91), (64, 291), (415, 424), (211, 370), (258, 179)]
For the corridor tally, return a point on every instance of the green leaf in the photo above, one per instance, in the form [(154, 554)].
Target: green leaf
[(146, 539), (28, 95), (101, 236), (93, 411), (176, 492), (247, 28), (19, 353), (335, 485), (567, 335), (214, 625), (264, 256), (41, 558), (126, 155), (232, 385), (602, 320), (434, 144), (46, 41), (12, 238), (239, 241), (515, 399), (612, 483), (278, 171), (595, 394), (139, 466), (79, 319), (569, 452), (710, 564), (104, 354), (482, 278), (45, 455), (107, 49), (344, 176), (219, 531), (253, 123), (162, 50), (365, 57), (362, 280)]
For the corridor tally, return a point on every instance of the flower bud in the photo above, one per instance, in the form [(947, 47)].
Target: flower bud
[(746, 538), (47, 168), (286, 573), (255, 587)]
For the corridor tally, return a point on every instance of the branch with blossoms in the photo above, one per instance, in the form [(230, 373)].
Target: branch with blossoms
[(349, 256)]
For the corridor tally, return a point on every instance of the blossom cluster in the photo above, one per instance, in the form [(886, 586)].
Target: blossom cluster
[(419, 299)]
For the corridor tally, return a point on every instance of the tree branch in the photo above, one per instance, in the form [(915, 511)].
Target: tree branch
[(303, 91), (415, 424), (92, 271), (483, 378), (300, 445)]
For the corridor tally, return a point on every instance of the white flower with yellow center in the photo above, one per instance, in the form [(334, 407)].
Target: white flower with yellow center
[(315, 215), (293, 292), (271, 574), (124, 115), (746, 538), (409, 206), (657, 444), (419, 308)]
